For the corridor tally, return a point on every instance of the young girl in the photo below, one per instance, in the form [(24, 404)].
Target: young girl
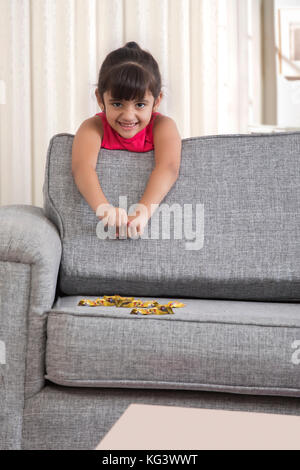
[(129, 94)]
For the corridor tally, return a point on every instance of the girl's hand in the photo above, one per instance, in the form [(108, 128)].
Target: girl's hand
[(137, 223), (112, 216)]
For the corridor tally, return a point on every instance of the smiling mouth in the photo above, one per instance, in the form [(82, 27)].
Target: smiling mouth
[(128, 126)]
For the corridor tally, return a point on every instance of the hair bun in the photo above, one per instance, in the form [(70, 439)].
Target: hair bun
[(132, 45)]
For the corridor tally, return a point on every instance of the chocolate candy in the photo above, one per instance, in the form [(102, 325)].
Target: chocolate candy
[(88, 302), (110, 299), (104, 303), (134, 303), (118, 301), (158, 310), (161, 310), (175, 304), (143, 311), (149, 303), (123, 301)]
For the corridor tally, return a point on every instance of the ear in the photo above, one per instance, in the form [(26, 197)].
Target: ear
[(157, 102), (99, 100)]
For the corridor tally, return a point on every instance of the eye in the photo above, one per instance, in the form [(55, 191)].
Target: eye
[(138, 104)]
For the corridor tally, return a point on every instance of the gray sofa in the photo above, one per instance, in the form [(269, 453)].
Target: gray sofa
[(68, 372)]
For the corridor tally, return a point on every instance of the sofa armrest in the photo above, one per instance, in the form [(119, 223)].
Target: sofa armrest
[(30, 254)]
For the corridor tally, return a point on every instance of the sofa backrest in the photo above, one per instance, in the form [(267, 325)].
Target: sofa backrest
[(230, 225)]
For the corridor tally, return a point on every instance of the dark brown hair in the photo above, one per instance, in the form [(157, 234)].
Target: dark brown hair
[(128, 72)]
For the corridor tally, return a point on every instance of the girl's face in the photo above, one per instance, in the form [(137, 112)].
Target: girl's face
[(128, 117)]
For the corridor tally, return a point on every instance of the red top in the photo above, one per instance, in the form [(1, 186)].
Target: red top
[(141, 142)]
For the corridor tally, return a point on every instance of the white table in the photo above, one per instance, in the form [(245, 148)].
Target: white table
[(170, 427)]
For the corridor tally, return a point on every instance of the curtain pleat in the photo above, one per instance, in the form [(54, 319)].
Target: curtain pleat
[(51, 52), (16, 107)]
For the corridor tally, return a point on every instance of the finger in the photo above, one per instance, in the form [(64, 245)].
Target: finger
[(118, 219), (124, 219), (112, 219), (120, 231), (124, 228), (104, 220), (129, 230), (133, 231)]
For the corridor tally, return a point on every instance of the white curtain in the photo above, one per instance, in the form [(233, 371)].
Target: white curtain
[(51, 52)]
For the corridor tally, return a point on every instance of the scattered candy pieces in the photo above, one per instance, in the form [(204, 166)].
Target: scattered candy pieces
[(149, 307)]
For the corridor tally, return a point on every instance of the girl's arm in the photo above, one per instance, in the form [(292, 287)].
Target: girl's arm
[(167, 150), (85, 150)]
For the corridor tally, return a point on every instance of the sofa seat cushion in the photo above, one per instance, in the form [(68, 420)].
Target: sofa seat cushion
[(221, 345)]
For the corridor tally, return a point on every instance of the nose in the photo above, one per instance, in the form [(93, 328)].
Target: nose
[(128, 118), (128, 115)]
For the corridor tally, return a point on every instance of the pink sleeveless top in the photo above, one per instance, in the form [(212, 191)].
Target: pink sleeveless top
[(141, 142)]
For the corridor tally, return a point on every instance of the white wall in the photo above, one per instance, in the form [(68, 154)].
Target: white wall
[(288, 91)]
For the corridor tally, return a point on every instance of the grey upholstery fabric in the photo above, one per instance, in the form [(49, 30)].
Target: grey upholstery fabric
[(68, 418), (220, 345), (247, 191), (30, 252), (13, 333)]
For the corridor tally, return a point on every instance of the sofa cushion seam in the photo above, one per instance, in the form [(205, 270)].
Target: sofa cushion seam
[(81, 315), (171, 383)]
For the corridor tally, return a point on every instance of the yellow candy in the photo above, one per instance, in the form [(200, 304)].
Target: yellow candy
[(124, 301), (143, 311), (175, 304), (149, 303), (134, 303), (104, 303), (118, 301), (88, 302), (159, 310), (109, 299)]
